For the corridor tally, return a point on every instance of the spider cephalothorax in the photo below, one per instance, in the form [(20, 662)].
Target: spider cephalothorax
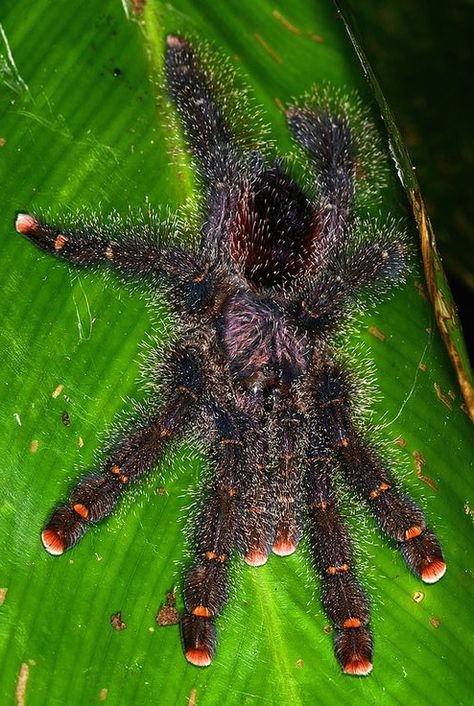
[(271, 279)]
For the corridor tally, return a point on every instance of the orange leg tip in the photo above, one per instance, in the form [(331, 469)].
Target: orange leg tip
[(52, 542), (413, 532), (352, 623), (26, 224), (202, 611), (358, 667), (284, 547), (256, 557), (434, 571), (200, 657)]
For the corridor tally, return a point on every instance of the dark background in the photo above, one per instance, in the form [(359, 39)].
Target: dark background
[(421, 52)]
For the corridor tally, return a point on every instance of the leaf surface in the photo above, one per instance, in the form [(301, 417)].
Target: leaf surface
[(85, 126)]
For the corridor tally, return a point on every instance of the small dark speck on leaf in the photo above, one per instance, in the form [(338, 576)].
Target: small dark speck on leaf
[(117, 71), (168, 615), (117, 622), (66, 419)]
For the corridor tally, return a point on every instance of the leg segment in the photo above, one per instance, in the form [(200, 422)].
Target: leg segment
[(192, 280), (89, 246), (256, 531), (343, 599), (398, 516), (205, 586), (209, 138), (328, 141), (96, 496), (379, 263), (287, 481)]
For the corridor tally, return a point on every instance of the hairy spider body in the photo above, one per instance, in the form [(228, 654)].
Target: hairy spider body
[(273, 276)]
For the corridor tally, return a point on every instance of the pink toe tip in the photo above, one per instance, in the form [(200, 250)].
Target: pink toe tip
[(52, 542), (199, 656), (284, 547), (174, 41), (256, 557), (358, 667), (434, 571), (25, 223)]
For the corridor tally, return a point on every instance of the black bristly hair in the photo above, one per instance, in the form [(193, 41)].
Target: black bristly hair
[(272, 278)]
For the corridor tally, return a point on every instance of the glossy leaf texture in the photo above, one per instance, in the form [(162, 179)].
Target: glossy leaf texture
[(85, 125)]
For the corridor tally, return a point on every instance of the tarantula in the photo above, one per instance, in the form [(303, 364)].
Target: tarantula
[(272, 279)]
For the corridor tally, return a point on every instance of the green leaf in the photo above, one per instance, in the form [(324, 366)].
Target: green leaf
[(83, 127)]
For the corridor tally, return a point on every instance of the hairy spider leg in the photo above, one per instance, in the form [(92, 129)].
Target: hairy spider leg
[(328, 141), (287, 481), (205, 586), (207, 134), (190, 276), (89, 246), (378, 263), (343, 599), (397, 515), (256, 530), (260, 210), (96, 495)]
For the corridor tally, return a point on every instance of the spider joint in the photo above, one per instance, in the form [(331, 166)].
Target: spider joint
[(374, 494), (341, 569), (60, 241), (212, 556)]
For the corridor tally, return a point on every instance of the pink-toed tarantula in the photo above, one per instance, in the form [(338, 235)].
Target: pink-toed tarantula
[(272, 279)]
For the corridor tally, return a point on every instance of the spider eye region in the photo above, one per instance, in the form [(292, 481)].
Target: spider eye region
[(263, 349)]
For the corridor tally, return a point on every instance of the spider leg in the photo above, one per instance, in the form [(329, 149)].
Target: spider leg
[(328, 141), (287, 481), (397, 515), (192, 280), (343, 599), (209, 138), (205, 586), (256, 531), (96, 495), (90, 246), (379, 264), (256, 209)]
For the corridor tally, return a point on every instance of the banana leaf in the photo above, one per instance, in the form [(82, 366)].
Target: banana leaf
[(85, 127)]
